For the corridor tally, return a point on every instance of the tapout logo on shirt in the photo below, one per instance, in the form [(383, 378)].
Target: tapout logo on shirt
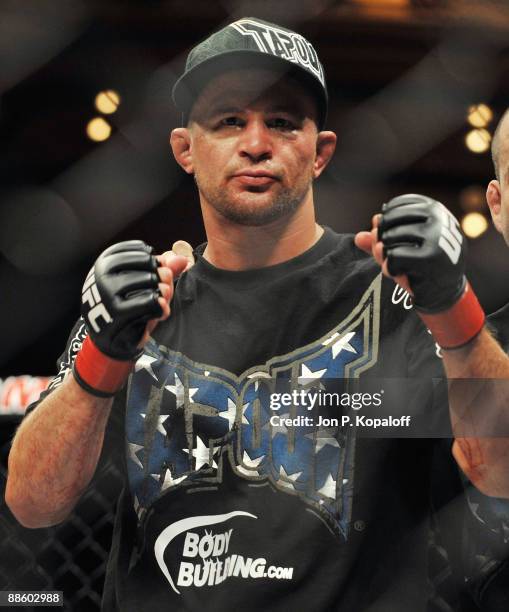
[(208, 561)]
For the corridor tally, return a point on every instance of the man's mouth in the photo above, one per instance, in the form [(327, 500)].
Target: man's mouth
[(255, 178)]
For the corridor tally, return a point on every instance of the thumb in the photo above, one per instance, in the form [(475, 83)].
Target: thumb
[(181, 247), (364, 241), (176, 263)]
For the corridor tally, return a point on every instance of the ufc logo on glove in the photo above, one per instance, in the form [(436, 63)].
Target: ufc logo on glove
[(90, 295), (450, 239)]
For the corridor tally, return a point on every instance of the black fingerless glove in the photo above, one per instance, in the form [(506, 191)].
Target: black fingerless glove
[(423, 240), (119, 297)]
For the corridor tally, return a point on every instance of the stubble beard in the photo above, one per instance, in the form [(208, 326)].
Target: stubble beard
[(285, 203)]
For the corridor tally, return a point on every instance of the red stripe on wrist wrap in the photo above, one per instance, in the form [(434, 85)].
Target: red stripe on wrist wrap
[(459, 324), (100, 372)]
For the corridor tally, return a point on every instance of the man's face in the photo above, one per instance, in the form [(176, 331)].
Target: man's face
[(497, 194), (253, 146), (504, 182)]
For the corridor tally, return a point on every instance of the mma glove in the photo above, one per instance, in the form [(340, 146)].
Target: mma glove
[(119, 297), (423, 241)]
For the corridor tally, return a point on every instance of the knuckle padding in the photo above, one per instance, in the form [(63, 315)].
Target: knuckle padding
[(403, 233), (124, 261), (412, 213), (407, 199), (128, 245), (133, 281), (127, 281), (143, 304)]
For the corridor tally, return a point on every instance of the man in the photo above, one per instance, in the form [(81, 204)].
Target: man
[(489, 522), (248, 481), (497, 198)]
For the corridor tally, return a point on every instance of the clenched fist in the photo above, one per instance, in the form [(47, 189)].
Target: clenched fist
[(418, 242), (125, 294)]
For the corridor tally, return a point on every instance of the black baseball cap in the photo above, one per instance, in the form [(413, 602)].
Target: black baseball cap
[(251, 42)]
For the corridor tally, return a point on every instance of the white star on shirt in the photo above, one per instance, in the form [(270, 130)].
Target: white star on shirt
[(191, 393), (306, 374), (160, 420), (202, 454), (231, 413), (321, 442), (246, 460), (342, 343), (329, 488), (145, 363), (293, 477), (133, 449), (287, 480), (178, 391), (249, 465), (169, 481), (322, 439)]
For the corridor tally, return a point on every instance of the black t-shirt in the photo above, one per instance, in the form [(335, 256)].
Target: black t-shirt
[(233, 499)]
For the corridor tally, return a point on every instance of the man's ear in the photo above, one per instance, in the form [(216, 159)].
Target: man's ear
[(325, 147), (180, 141), (493, 197)]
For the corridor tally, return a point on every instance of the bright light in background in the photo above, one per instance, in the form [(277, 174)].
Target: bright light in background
[(478, 140), (479, 115), (383, 3), (474, 224), (107, 101), (386, 9), (386, 2), (98, 129), (473, 198)]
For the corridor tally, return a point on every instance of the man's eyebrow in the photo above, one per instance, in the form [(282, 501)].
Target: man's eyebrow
[(287, 108), (278, 108), (222, 109), (219, 107)]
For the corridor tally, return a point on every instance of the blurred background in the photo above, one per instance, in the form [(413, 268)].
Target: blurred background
[(416, 89)]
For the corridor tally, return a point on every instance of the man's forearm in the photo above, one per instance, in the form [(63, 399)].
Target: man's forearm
[(479, 404), (54, 455), (419, 244)]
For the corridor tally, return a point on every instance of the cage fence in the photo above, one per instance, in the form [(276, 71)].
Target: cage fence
[(70, 557)]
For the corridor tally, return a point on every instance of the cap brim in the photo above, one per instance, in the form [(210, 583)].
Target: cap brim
[(191, 83)]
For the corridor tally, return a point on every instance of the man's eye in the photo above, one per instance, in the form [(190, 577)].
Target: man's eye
[(230, 121), (281, 124)]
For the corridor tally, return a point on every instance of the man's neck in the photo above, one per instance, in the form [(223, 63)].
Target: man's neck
[(238, 247)]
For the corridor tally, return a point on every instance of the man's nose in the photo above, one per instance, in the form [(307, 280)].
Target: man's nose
[(256, 141)]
